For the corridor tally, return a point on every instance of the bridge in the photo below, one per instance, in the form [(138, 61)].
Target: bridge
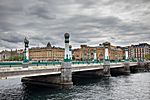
[(49, 74), (62, 74), (12, 72)]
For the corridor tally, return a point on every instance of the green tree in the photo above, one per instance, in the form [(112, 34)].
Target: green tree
[(16, 58), (73, 57), (147, 56)]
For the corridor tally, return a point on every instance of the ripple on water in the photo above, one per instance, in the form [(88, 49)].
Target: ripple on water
[(132, 87)]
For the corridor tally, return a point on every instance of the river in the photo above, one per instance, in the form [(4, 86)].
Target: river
[(132, 87)]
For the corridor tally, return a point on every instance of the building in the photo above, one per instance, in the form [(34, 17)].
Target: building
[(46, 53), (138, 52), (76, 54), (4, 55), (11, 55), (85, 52), (100, 52), (115, 52)]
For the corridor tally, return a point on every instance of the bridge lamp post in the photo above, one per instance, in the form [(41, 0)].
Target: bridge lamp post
[(106, 53), (66, 69), (26, 51), (83, 54), (67, 53), (84, 57), (25, 63), (126, 55), (106, 66), (89, 56), (126, 63), (95, 58), (53, 59), (70, 52), (116, 58)]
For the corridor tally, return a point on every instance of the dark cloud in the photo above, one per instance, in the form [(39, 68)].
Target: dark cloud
[(122, 22), (12, 38)]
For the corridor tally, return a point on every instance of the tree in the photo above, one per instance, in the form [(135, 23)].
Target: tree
[(73, 57), (147, 56), (15, 58)]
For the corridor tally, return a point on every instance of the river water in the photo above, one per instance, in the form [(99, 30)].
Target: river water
[(131, 87)]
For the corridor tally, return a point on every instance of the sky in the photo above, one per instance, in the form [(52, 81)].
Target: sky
[(91, 22)]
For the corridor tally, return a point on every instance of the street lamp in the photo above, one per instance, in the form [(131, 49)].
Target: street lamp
[(88, 56)]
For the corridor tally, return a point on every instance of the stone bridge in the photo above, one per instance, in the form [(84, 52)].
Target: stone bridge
[(51, 75)]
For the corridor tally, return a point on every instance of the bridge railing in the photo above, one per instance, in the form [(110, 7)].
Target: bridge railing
[(86, 62), (53, 63), (10, 64), (45, 63), (31, 63)]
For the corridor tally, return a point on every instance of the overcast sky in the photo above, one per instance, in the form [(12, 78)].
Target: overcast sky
[(91, 22)]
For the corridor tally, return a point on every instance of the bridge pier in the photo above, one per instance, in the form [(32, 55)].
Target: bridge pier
[(126, 68), (106, 69), (66, 75), (143, 66), (148, 66), (25, 65)]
